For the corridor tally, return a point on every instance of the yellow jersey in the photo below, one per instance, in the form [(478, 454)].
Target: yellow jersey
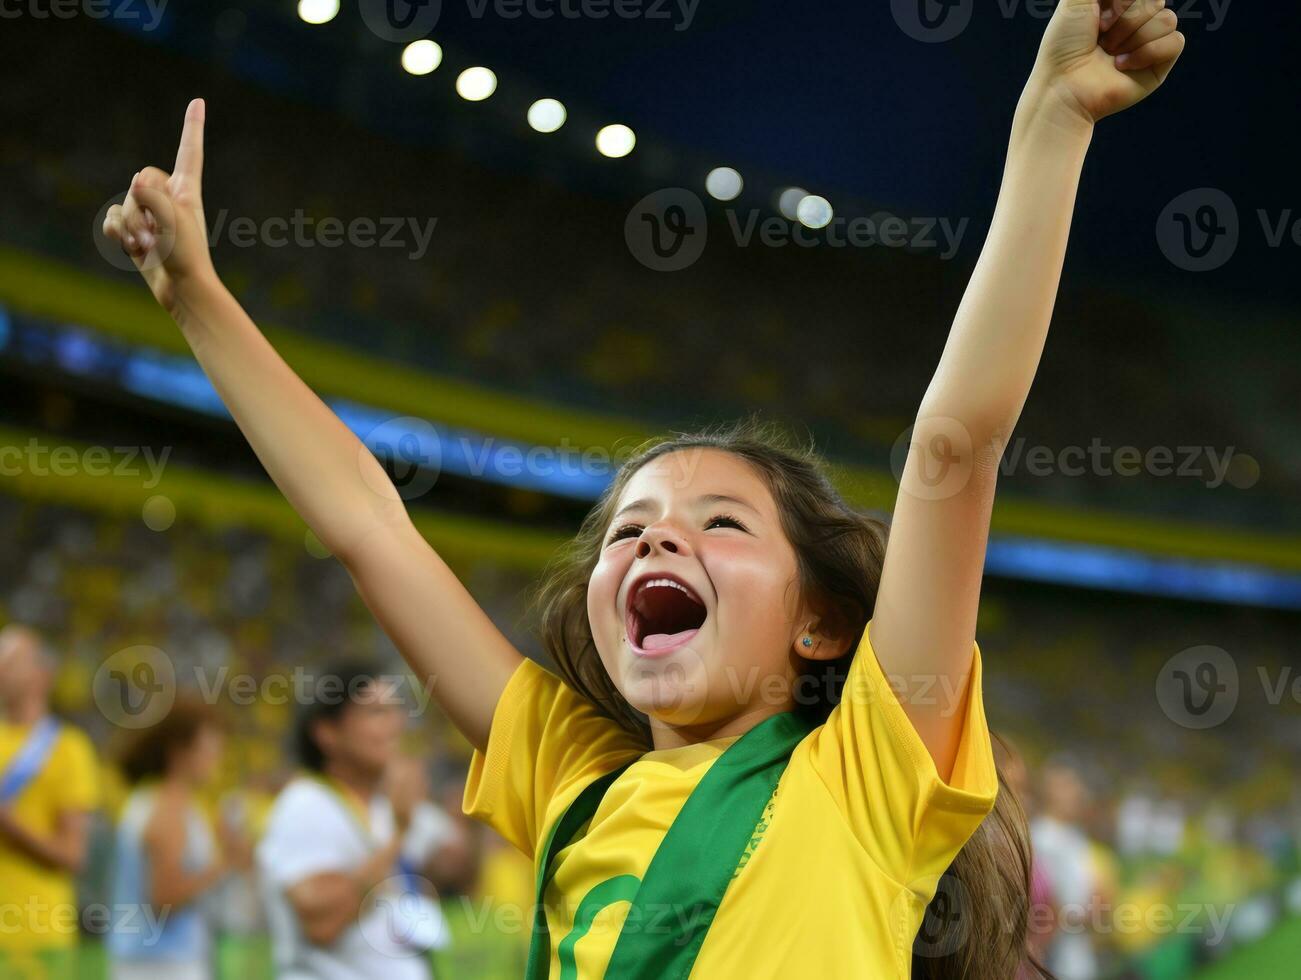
[(41, 902), (836, 878)]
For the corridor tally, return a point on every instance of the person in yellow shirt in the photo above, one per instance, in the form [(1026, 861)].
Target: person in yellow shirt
[(732, 776), (48, 790)]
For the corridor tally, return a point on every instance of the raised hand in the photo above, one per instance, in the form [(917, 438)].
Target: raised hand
[(160, 224), (1104, 57)]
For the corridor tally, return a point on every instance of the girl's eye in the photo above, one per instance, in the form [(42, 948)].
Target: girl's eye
[(723, 520), (625, 531)]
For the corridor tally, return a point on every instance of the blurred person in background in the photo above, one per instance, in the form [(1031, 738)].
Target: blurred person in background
[(168, 860), (436, 852), (1041, 923), (337, 902), (436, 848), (48, 789), (1065, 854)]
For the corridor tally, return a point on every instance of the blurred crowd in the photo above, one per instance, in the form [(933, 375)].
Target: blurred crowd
[(527, 285), (1158, 847)]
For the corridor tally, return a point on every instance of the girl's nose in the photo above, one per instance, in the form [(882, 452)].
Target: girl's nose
[(658, 539)]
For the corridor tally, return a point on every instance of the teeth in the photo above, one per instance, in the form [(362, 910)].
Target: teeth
[(659, 582)]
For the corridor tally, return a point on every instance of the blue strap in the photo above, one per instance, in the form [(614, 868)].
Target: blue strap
[(409, 874), (27, 764)]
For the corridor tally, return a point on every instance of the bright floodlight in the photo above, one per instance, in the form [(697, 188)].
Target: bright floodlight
[(789, 201), (814, 211), (318, 11), (616, 140), (422, 57), (723, 183), (476, 84), (547, 115)]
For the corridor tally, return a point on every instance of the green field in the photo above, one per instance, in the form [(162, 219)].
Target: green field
[(488, 957), (1273, 958)]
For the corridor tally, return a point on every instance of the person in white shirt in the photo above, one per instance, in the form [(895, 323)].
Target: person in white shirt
[(1062, 850), (337, 904)]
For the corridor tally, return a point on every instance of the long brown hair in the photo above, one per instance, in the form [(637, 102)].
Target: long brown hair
[(978, 918)]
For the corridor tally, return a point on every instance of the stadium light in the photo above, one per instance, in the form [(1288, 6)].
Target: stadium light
[(422, 57), (616, 140), (547, 115), (788, 202), (814, 211), (723, 183), (318, 11), (476, 84)]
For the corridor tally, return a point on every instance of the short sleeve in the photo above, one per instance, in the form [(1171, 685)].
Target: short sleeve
[(287, 856), (546, 742), (910, 821), (77, 787)]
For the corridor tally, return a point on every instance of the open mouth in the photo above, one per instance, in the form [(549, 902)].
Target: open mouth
[(663, 614)]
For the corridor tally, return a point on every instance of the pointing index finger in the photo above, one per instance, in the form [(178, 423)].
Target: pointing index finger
[(189, 156)]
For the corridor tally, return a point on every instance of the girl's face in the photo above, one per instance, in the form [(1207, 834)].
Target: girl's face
[(694, 603)]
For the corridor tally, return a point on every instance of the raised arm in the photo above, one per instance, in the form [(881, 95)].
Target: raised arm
[(323, 469), (1091, 64)]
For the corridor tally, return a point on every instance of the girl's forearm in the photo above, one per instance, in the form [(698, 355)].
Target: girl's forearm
[(322, 468), (998, 334)]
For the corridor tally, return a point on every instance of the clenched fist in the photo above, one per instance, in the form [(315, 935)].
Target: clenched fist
[(1101, 58), (161, 225)]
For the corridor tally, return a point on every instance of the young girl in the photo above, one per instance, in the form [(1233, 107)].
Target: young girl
[(733, 776)]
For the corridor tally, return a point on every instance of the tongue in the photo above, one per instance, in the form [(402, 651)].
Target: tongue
[(662, 641)]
